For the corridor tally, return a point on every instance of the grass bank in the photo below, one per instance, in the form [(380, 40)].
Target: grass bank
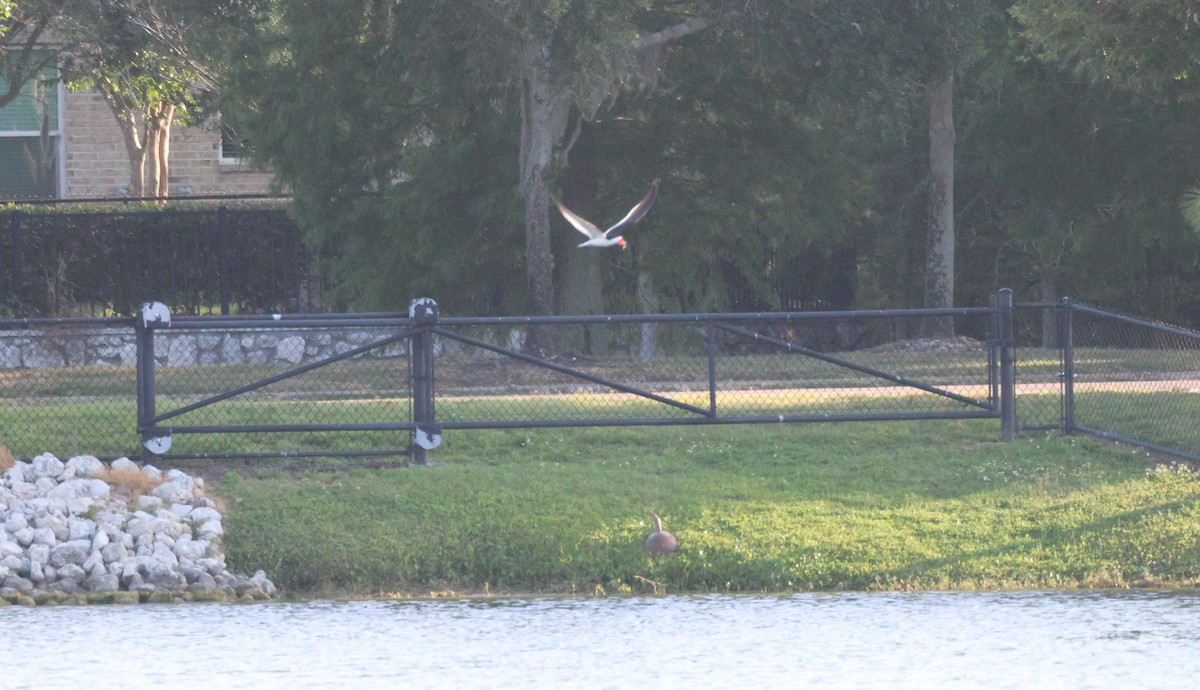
[(755, 508)]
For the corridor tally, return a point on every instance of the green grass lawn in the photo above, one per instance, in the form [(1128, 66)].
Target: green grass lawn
[(762, 508)]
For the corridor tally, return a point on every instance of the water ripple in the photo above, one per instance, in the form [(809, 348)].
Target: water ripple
[(1074, 640)]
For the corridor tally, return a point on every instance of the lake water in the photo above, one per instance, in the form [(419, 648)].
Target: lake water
[(897, 640)]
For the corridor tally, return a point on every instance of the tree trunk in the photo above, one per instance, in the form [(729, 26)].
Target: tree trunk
[(160, 152), (544, 113), (939, 259), (581, 285), (130, 123), (645, 288), (135, 150), (1050, 317)]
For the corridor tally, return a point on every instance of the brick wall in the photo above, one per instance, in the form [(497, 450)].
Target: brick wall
[(97, 165)]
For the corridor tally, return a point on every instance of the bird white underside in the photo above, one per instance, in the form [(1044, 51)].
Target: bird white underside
[(600, 242)]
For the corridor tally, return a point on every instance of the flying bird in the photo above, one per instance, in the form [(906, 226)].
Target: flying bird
[(611, 236), (660, 542)]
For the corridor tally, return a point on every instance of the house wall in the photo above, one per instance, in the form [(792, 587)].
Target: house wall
[(98, 166)]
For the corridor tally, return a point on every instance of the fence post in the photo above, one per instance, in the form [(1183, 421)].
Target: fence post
[(151, 314), (1008, 402), (1068, 361), (710, 337), (423, 312)]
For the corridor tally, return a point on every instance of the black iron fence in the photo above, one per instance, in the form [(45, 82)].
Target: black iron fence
[(57, 263), (388, 384)]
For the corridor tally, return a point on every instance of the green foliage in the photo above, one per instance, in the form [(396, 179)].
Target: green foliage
[(404, 177), (1076, 183), (1150, 46)]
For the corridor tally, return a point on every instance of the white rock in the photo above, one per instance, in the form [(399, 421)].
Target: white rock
[(46, 465), (182, 509), (170, 528), (43, 536), (99, 489), (86, 466), (290, 349), (94, 563), (100, 540), (56, 523), (152, 472), (201, 515), (44, 484), (15, 521), (57, 506), (175, 490), (71, 571), (150, 504), (139, 525), (182, 352), (24, 490), (103, 583), (39, 554), (81, 505), (110, 522), (114, 553), (24, 536), (17, 473), (260, 578), (18, 584), (125, 465), (191, 549), (71, 488), (75, 552), (80, 529)]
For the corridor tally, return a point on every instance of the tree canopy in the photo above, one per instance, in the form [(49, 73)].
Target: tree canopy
[(422, 141)]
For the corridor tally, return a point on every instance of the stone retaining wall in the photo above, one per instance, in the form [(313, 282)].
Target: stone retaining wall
[(118, 347), (82, 528)]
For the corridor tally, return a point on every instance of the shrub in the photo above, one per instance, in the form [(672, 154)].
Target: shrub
[(129, 483)]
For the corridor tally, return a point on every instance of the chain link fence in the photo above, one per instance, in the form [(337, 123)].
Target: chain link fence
[(68, 387), (330, 385), (1133, 380)]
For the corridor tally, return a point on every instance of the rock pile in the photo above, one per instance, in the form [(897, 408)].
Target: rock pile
[(121, 532)]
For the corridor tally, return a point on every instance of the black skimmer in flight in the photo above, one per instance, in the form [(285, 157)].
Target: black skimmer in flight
[(611, 236)]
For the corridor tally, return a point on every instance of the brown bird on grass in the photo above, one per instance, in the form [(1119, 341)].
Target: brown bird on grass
[(660, 542)]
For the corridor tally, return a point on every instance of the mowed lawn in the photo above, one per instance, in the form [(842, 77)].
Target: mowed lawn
[(755, 508)]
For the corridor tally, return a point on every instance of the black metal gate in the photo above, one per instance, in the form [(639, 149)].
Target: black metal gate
[(665, 369)]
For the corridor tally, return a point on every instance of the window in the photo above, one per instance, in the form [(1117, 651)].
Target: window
[(234, 147), (30, 140)]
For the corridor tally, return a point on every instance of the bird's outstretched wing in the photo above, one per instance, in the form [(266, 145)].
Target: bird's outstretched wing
[(635, 214), (580, 224)]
